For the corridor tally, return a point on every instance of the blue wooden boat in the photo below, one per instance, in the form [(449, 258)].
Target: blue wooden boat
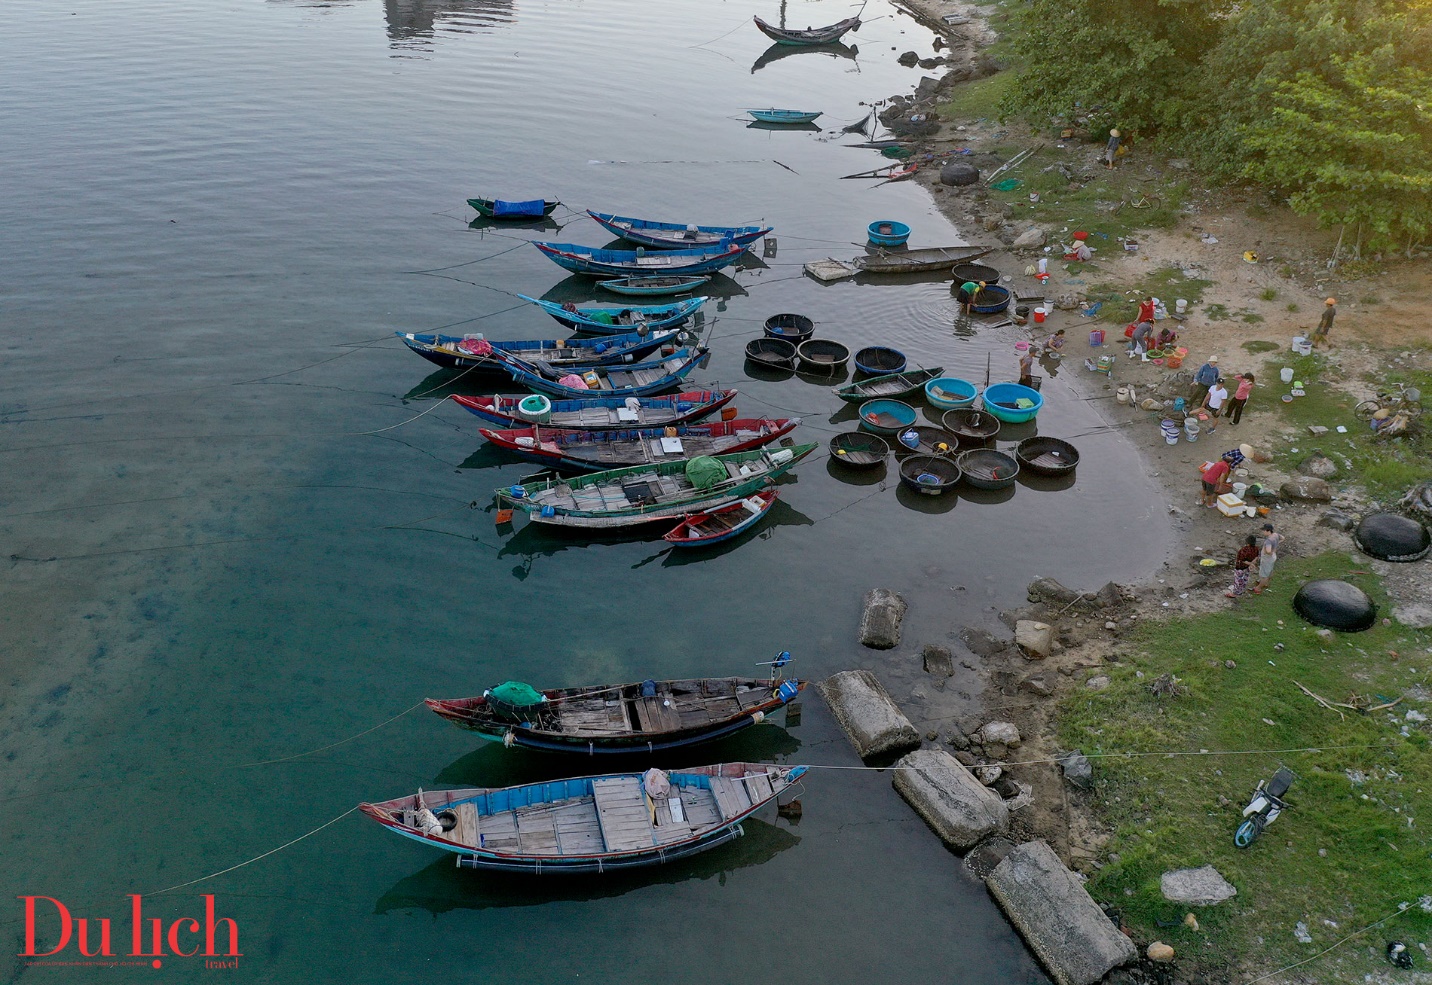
[(676, 235), (461, 352), (950, 393), (588, 824), (722, 523), (610, 319), (595, 413), (991, 300), (496, 208), (640, 262), (634, 380), (886, 416), (639, 494), (653, 286), (644, 717), (782, 115), (1012, 402), (810, 35), (610, 448), (888, 232)]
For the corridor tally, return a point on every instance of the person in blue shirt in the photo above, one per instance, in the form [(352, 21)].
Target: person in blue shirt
[(1205, 377)]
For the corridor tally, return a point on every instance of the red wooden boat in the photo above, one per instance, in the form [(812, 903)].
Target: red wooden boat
[(724, 522)]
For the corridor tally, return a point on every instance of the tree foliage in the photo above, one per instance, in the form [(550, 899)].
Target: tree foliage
[(1328, 101)]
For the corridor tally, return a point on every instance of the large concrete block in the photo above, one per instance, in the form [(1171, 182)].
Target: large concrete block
[(958, 807), (1058, 919), (880, 622), (873, 722)]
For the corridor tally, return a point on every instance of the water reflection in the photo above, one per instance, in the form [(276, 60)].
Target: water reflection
[(921, 503), (417, 20), (441, 886), (787, 127), (778, 51), (856, 476)]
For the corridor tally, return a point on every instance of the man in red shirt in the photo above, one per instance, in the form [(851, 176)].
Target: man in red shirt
[(1213, 476)]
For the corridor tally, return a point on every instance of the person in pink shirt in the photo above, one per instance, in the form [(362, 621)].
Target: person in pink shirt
[(1240, 397)]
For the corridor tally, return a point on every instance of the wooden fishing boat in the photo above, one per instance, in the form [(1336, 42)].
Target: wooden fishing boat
[(611, 448), (985, 468), (597, 413), (645, 493), (783, 117), (723, 523), (894, 385), (822, 355), (652, 286), (929, 475), (972, 427), (588, 824), (791, 327), (810, 35), (924, 439), (639, 262), (676, 235), (886, 416), (496, 208), (950, 393), (627, 380), (773, 352), (621, 718), (1012, 402), (462, 352), (930, 260), (610, 319), (859, 450), (1047, 456), (878, 360)]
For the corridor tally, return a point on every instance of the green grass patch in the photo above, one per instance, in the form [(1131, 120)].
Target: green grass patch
[(977, 100), (1370, 299), (1269, 294), (1350, 849), (1166, 283), (1292, 307), (1257, 346), (1217, 312), (1249, 317)]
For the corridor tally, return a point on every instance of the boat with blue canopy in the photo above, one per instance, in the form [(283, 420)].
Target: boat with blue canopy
[(473, 352), (640, 262), (496, 208), (676, 235)]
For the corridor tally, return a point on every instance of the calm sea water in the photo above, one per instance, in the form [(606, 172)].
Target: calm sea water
[(231, 538)]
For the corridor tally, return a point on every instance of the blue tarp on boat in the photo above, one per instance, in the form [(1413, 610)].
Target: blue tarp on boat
[(529, 209)]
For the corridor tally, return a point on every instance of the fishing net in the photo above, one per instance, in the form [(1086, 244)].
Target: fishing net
[(704, 471)]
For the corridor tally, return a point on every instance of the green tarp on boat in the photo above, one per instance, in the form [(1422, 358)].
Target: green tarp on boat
[(704, 471)]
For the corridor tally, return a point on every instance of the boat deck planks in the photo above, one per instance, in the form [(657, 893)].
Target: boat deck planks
[(654, 716), (622, 813), (732, 798)]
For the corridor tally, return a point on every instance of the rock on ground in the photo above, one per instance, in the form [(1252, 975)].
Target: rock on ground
[(1160, 952), (1196, 887), (1417, 615), (880, 623), (938, 660), (1307, 487), (1319, 466), (1050, 591), (873, 722), (1034, 639), (1005, 733), (1057, 918), (1031, 239), (959, 808), (1077, 769), (1337, 520), (959, 174)]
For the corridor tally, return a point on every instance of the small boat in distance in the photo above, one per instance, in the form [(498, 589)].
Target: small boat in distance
[(640, 262), (810, 35), (622, 380), (783, 116), (893, 385), (611, 448), (496, 208), (463, 352), (722, 523), (643, 717), (675, 235), (653, 286), (609, 319), (588, 824), (595, 413), (933, 259)]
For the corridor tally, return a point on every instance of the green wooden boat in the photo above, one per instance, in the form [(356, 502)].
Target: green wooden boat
[(645, 493), (891, 385)]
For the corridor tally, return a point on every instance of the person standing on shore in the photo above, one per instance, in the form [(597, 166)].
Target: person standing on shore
[(1026, 367), (1147, 308), (1325, 323), (1267, 557), (1205, 377), (1240, 397), (1213, 403), (1111, 149), (1243, 567)]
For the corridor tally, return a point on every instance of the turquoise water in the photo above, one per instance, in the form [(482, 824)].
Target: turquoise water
[(233, 539)]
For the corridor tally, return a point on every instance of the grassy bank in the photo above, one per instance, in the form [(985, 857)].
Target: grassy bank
[(1354, 845)]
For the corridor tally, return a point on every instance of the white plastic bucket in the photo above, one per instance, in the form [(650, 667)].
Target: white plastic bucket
[(1191, 429), (1302, 346), (1239, 488), (1043, 266), (1180, 305), (1286, 374), (1171, 437), (1122, 395)]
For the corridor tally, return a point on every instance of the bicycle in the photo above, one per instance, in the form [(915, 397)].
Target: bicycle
[(1404, 399)]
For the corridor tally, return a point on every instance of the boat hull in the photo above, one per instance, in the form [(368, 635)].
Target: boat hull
[(676, 368), (810, 36), (442, 350), (682, 537), (625, 263), (564, 448), (623, 317), (651, 287), (677, 408), (674, 235)]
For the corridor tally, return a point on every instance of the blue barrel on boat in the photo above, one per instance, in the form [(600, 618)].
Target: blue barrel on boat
[(787, 691), (549, 511), (517, 492)]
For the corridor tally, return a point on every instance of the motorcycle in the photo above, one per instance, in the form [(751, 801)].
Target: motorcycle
[(1264, 807)]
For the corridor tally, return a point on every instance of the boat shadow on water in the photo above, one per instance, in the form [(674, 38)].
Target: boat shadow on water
[(778, 51), (934, 505), (443, 383), (857, 476), (1044, 483), (441, 887)]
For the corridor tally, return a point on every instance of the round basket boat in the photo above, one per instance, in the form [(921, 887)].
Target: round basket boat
[(1392, 537), (824, 355), (966, 273), (886, 417), (888, 232), (771, 351), (985, 468), (929, 474), (1003, 401), (972, 427), (858, 450), (1047, 456), (878, 360), (991, 301), (950, 393), (1335, 604), (927, 441), (792, 328)]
